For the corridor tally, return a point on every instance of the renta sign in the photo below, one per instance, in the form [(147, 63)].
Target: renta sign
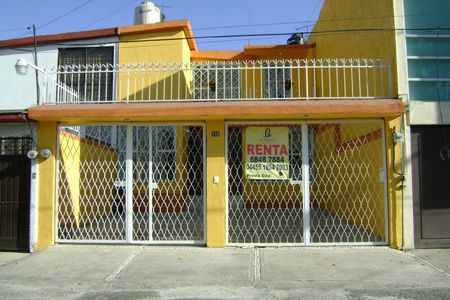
[(267, 153)]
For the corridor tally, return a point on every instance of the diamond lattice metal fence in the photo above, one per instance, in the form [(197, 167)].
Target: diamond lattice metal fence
[(333, 190), (131, 184)]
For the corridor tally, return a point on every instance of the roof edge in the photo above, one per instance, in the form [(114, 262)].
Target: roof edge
[(293, 46), (219, 55), (161, 26), (14, 116), (42, 40)]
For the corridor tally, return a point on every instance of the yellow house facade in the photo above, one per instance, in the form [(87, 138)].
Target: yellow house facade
[(280, 145)]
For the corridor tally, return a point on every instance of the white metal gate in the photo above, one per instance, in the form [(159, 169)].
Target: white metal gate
[(332, 191), (131, 184)]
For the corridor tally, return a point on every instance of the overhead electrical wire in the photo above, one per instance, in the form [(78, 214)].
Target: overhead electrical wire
[(52, 20), (325, 32), (64, 14), (315, 21), (245, 25), (110, 14), (12, 29), (336, 31)]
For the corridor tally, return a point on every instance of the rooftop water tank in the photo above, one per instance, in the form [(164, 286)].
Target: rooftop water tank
[(296, 39), (147, 13)]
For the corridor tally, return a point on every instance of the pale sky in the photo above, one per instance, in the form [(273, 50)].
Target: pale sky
[(207, 18)]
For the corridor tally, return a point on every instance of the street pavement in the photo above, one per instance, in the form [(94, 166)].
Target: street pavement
[(142, 272)]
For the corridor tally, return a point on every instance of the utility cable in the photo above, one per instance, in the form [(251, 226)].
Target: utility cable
[(259, 35), (337, 31), (11, 29), (110, 14), (317, 21), (65, 14)]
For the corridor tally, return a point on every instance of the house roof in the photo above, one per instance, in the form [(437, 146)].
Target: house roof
[(159, 27), (103, 33), (13, 116), (279, 50), (255, 52), (60, 37), (209, 55)]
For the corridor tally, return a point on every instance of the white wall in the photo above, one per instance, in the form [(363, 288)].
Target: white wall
[(19, 92), (429, 112)]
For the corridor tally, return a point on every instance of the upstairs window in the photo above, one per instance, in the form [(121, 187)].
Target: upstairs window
[(88, 72), (277, 80), (217, 81)]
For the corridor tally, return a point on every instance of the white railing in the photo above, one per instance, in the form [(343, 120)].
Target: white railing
[(302, 79)]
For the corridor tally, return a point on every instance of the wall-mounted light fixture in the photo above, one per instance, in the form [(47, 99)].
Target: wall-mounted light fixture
[(32, 154), (22, 66), (46, 153)]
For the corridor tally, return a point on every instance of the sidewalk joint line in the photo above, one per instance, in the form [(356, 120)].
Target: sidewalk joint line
[(433, 266), (257, 264), (123, 266)]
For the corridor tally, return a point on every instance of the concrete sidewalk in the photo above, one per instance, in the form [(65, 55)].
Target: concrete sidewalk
[(125, 272)]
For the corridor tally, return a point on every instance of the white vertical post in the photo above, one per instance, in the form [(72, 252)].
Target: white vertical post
[(34, 193), (314, 79), (306, 79), (128, 83), (129, 185), (385, 182), (150, 182), (34, 207), (305, 186), (389, 67), (204, 184)]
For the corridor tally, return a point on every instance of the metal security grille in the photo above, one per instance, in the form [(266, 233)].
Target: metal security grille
[(277, 79), (335, 191), (88, 72), (15, 170), (131, 184), (217, 80)]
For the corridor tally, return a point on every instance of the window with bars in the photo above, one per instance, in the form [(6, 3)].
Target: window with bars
[(87, 71), (277, 80), (15, 146), (217, 81)]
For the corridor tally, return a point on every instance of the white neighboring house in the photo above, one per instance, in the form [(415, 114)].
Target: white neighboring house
[(17, 132)]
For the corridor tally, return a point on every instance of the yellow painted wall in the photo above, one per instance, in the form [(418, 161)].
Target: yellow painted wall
[(377, 42), (179, 186), (145, 51), (46, 136), (347, 182), (394, 187), (337, 17), (87, 178), (215, 196), (70, 181)]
